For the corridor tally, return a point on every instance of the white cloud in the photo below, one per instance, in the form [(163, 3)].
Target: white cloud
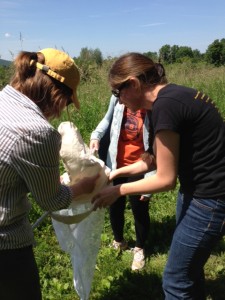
[(152, 24), (7, 35)]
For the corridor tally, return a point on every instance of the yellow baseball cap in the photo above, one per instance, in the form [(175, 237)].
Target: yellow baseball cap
[(61, 67)]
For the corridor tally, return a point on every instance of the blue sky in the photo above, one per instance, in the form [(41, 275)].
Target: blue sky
[(113, 26)]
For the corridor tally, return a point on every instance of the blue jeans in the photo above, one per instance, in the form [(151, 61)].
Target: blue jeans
[(200, 225)]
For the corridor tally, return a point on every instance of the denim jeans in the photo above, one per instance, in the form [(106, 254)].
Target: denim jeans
[(200, 225)]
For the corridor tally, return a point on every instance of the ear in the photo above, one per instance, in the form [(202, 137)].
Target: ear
[(134, 83)]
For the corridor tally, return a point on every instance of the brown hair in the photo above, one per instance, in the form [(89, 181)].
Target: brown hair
[(136, 65), (50, 95)]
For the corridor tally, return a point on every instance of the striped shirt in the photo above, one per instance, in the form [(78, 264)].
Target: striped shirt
[(29, 163)]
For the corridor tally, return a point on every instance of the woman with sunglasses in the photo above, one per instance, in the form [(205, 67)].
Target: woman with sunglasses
[(189, 144), (43, 84), (128, 135)]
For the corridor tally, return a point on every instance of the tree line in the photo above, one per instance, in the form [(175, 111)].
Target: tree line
[(215, 54), (90, 59)]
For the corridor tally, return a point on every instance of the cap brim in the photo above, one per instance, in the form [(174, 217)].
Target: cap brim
[(75, 100)]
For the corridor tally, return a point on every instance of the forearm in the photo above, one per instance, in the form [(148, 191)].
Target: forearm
[(137, 168), (149, 185)]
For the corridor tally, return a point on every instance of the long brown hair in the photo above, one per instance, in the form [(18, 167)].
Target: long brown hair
[(50, 95), (136, 65)]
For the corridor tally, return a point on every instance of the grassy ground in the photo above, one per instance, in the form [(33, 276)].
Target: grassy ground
[(113, 278)]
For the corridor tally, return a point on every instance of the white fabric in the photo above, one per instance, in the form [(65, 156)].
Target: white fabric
[(82, 241), (78, 228)]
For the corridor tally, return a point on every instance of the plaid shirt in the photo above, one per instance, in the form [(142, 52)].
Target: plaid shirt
[(29, 162)]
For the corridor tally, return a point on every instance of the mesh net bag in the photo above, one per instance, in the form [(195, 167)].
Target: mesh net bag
[(78, 228)]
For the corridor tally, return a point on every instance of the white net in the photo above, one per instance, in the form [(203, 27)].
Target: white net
[(78, 228)]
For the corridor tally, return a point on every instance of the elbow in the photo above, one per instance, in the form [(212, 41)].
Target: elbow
[(170, 184)]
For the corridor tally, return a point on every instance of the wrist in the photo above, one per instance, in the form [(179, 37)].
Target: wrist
[(121, 191), (113, 174)]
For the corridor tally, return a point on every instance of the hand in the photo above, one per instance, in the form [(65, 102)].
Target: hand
[(94, 145), (65, 178), (144, 198), (112, 175), (106, 197)]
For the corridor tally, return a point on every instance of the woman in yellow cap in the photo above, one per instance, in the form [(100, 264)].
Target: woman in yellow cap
[(43, 84)]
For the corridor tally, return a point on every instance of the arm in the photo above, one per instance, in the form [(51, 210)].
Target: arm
[(36, 160), (140, 167), (167, 155), (102, 127)]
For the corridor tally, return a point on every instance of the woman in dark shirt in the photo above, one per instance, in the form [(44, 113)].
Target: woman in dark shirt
[(189, 144)]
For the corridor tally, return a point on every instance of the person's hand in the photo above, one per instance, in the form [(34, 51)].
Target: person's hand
[(106, 197), (144, 198), (94, 145), (112, 175)]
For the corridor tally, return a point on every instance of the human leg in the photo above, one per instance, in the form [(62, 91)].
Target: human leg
[(200, 224), (140, 211), (19, 277), (142, 226), (116, 213)]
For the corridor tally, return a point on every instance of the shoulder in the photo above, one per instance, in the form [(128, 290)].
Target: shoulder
[(37, 146), (42, 137), (175, 91)]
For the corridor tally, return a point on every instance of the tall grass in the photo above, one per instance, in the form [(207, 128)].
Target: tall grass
[(113, 278)]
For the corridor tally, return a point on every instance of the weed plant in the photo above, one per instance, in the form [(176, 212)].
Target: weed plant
[(113, 278)]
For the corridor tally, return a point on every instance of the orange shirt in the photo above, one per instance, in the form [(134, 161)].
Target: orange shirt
[(130, 144)]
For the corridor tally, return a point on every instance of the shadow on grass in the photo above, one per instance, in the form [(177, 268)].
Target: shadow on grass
[(215, 289), (220, 248), (160, 236), (134, 286)]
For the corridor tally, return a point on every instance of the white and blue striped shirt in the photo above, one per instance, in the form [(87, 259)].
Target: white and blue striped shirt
[(29, 162)]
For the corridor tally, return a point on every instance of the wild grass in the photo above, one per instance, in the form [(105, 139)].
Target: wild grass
[(113, 278)]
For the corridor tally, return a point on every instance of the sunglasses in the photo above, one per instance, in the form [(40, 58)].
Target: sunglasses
[(117, 91)]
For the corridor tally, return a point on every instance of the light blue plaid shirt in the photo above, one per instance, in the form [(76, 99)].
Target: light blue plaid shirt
[(29, 162)]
